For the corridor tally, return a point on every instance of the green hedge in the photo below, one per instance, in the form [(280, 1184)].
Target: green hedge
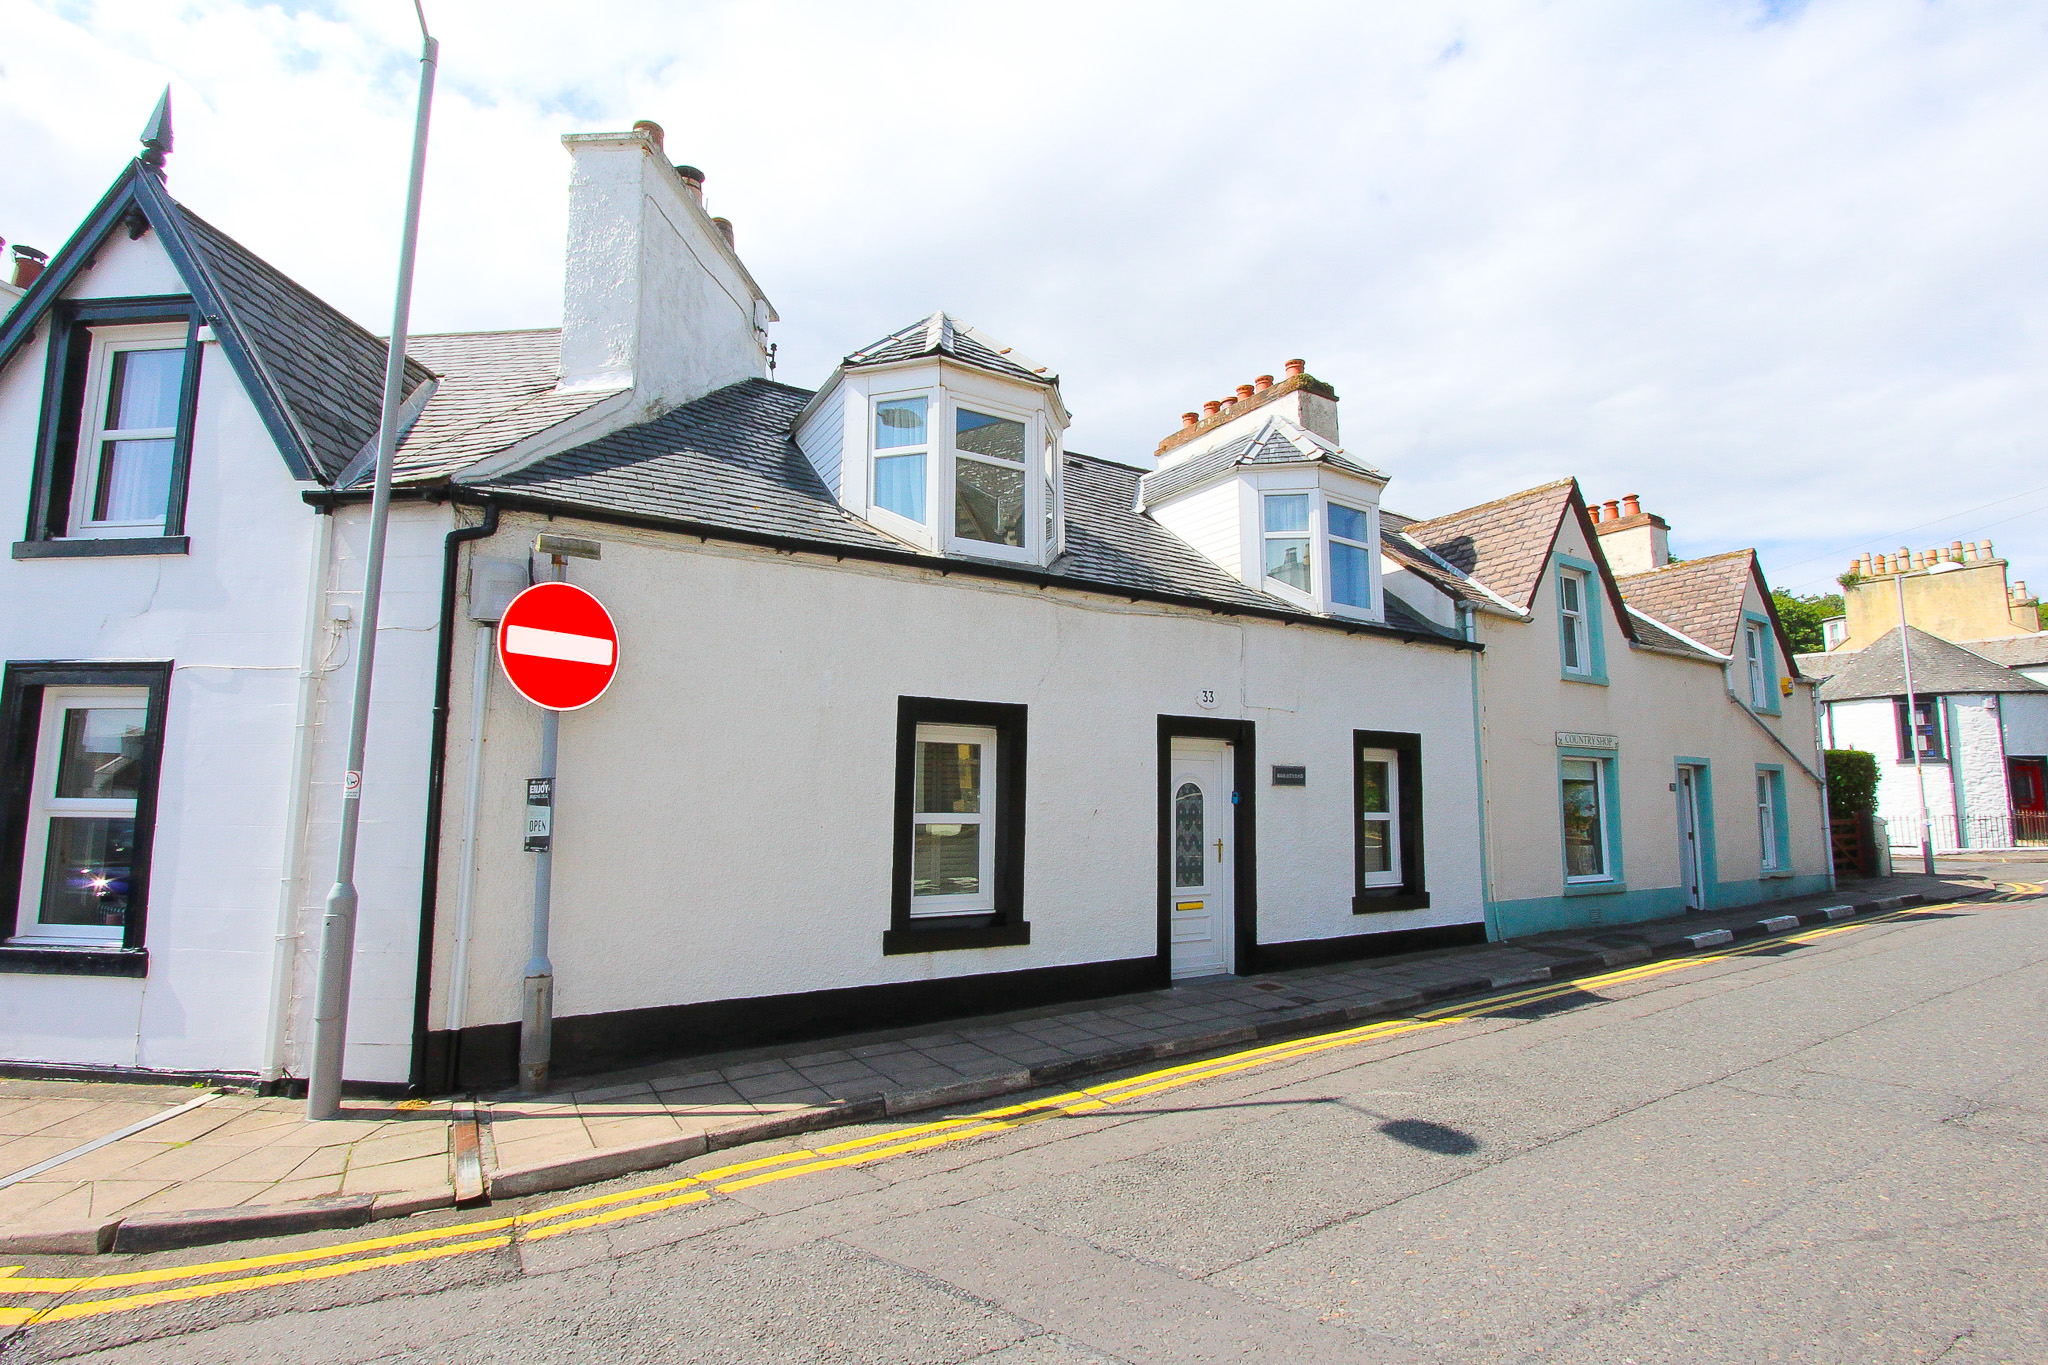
[(1852, 783)]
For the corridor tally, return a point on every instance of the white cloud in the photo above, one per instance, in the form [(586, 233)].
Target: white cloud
[(1774, 267)]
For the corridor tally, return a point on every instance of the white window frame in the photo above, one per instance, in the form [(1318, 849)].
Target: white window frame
[(1370, 608), (1767, 820), (1574, 623), (1312, 533), (93, 432), (1753, 657), (1602, 817), (1396, 874), (1032, 551), (887, 518), (44, 804), (984, 901)]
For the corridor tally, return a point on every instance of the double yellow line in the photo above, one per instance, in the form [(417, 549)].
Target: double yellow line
[(185, 1284)]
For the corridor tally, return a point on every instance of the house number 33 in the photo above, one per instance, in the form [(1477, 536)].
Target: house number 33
[(1206, 698)]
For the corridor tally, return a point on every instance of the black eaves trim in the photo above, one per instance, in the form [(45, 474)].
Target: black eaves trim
[(103, 548), (75, 961), (915, 940), (326, 501)]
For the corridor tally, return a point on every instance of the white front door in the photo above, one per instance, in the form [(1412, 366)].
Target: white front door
[(1689, 863), (1201, 912)]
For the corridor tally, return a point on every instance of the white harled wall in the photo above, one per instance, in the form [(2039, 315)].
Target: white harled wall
[(726, 811)]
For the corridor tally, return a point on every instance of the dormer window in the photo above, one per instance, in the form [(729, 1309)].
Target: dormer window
[(1352, 552), (126, 451), (1317, 552), (901, 442), (1287, 541), (988, 478)]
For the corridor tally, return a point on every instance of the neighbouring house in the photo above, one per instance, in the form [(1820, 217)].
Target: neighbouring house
[(919, 714), (1979, 689), (1649, 744)]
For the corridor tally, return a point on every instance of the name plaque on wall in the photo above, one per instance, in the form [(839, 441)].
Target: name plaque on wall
[(1574, 739)]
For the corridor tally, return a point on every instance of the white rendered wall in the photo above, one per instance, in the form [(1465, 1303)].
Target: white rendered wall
[(726, 811), (1872, 725), (1977, 758), (2026, 724)]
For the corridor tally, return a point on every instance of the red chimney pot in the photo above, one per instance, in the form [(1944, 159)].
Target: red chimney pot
[(1262, 383), (1189, 419), (1211, 408), (1295, 367), (1631, 504)]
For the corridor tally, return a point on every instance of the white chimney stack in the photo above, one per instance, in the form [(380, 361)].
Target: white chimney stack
[(654, 297)]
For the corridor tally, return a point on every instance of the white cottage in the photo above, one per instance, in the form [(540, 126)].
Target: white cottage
[(919, 714)]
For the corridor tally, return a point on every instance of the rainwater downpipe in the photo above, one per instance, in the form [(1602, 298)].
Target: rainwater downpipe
[(465, 891), (1469, 625), (291, 876)]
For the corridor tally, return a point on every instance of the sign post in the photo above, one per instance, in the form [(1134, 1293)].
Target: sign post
[(560, 651)]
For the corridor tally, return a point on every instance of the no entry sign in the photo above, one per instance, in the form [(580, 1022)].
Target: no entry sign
[(558, 646)]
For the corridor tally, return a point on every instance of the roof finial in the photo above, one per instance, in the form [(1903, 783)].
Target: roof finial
[(156, 138)]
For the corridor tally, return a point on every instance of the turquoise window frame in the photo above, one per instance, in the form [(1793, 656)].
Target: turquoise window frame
[(1781, 822), (1772, 705), (1703, 783), (1596, 635), (1610, 810)]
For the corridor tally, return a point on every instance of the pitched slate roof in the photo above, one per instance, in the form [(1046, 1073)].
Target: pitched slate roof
[(316, 377), (941, 334), (1700, 597), (727, 461), (1277, 441), (1411, 555), (493, 390), (1938, 668), (1504, 543), (1656, 635), (2014, 651)]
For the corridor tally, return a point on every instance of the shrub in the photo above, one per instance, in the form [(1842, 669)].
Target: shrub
[(1852, 783)]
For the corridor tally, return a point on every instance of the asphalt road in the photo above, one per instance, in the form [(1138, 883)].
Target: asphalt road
[(1833, 1148)]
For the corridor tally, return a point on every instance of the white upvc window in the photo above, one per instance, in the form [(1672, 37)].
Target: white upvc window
[(1575, 640), (1352, 555), (1287, 522), (78, 850), (1767, 821), (953, 834), (1753, 655), (128, 432), (990, 478), (1587, 856), (902, 430), (1379, 818)]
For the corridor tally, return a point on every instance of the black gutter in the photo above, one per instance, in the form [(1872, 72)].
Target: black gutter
[(419, 1080), (902, 558)]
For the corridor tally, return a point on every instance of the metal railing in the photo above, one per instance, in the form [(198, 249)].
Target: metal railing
[(2011, 829)]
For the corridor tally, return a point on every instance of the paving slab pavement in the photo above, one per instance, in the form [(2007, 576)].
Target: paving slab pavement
[(240, 1154)]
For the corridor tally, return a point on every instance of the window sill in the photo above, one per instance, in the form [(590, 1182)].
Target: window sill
[(1775, 874), (1591, 679), (938, 940), (74, 961), (105, 546), (1595, 888), (1376, 901)]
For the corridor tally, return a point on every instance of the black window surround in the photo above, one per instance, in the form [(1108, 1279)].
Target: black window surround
[(1931, 717), (21, 716), (1413, 892), (65, 380), (1005, 926)]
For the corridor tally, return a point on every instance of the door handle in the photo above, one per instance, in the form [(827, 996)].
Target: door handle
[(1219, 850)]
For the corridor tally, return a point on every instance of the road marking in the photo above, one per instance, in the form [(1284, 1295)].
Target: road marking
[(296, 1267)]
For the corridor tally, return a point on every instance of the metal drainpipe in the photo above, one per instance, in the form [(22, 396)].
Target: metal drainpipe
[(437, 766), (465, 888), (1471, 629), (290, 874)]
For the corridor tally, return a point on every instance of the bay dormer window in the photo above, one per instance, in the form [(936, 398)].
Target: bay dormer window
[(1352, 554), (947, 440), (1318, 552), (1288, 538)]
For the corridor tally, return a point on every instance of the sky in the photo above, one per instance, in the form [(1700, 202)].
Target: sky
[(1776, 267)]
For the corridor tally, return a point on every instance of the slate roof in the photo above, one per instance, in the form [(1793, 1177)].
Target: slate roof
[(1658, 636), (494, 389), (946, 335), (1409, 554), (1938, 668), (327, 369), (1700, 597), (2014, 651), (1504, 543), (1277, 441), (727, 461)]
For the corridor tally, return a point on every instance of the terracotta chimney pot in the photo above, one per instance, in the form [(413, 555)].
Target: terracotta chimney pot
[(1211, 408), (28, 265), (724, 226), (1613, 509), (693, 181), (1631, 504), (1244, 391), (1295, 367), (1262, 383), (652, 129)]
